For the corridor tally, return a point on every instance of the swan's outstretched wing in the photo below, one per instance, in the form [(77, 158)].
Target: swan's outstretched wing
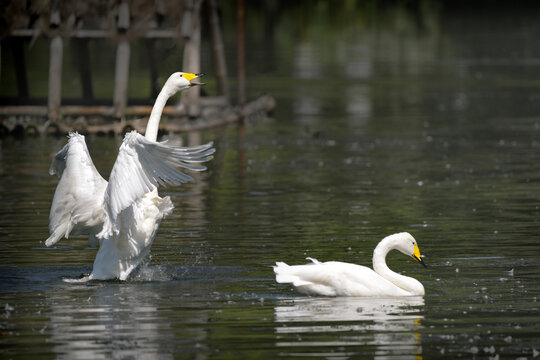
[(143, 165), (78, 200)]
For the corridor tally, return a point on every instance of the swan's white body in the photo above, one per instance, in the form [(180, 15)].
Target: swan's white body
[(123, 214), (335, 278)]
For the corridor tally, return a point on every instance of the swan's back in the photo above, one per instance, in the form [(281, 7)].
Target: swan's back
[(334, 278)]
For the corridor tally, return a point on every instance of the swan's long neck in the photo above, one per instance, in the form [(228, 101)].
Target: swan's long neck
[(155, 116), (406, 283)]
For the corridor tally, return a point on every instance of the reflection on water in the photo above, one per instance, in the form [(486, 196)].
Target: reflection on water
[(388, 325), (158, 313), (113, 322)]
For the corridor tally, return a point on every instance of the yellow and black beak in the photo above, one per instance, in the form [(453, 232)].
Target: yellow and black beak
[(416, 256), (192, 78)]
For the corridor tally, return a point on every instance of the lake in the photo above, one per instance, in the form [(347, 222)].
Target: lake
[(384, 123)]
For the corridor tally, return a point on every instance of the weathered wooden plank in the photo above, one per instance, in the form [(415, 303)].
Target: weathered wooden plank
[(179, 123), (217, 102), (101, 34)]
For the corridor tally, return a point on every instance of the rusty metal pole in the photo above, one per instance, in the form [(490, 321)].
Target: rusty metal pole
[(240, 52)]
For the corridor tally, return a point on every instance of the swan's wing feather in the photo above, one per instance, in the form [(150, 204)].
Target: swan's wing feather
[(308, 279), (300, 275), (142, 165), (78, 200), (328, 279)]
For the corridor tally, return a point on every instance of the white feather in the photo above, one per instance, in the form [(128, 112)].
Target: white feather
[(77, 205), (143, 165)]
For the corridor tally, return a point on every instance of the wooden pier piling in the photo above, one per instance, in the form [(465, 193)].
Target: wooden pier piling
[(121, 76), (192, 54), (121, 73), (121, 23), (218, 49), (55, 63), (240, 52)]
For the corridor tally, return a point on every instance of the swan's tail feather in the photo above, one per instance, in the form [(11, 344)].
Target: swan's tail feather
[(314, 261), (107, 230), (53, 239), (284, 274), (62, 230)]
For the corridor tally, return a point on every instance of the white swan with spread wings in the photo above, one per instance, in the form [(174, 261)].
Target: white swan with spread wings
[(123, 214)]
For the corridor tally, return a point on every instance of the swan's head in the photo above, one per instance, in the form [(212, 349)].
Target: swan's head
[(406, 243), (181, 81)]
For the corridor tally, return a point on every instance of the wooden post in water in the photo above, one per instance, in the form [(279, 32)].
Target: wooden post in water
[(218, 49), (240, 48), (121, 78), (121, 74), (55, 78), (55, 65), (192, 54)]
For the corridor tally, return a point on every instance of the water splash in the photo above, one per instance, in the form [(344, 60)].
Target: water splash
[(147, 272)]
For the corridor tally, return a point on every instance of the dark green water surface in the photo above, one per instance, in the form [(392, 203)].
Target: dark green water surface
[(432, 130)]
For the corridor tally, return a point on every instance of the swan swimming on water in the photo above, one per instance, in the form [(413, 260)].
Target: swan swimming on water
[(123, 214), (334, 278)]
